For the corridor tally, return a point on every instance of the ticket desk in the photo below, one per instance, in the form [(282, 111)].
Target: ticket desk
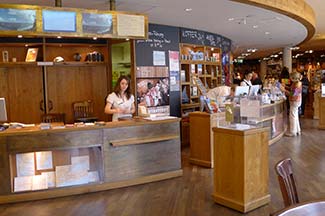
[(39, 164)]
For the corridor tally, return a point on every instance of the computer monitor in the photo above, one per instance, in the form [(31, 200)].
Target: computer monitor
[(3, 112), (241, 90), (253, 90)]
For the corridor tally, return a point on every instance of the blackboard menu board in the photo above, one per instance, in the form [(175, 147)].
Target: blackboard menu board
[(160, 38), (17, 20), (192, 36)]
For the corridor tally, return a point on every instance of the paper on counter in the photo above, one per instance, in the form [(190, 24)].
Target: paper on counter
[(80, 163), (64, 176), (25, 164), (39, 182), (93, 176), (23, 183), (44, 160), (50, 176)]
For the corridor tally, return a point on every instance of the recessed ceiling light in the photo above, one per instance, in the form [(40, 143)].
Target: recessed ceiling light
[(231, 19), (19, 36), (94, 38), (188, 9), (127, 39), (58, 37), (255, 26), (26, 45), (267, 33)]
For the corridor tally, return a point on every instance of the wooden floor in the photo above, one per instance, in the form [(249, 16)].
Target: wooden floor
[(191, 193)]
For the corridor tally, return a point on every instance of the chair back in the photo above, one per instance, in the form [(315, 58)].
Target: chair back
[(53, 117), (287, 182), (83, 111)]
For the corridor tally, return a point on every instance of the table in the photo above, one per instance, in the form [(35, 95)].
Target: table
[(314, 208)]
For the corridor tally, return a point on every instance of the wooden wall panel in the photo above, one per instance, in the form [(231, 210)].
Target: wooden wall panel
[(69, 84), (23, 89)]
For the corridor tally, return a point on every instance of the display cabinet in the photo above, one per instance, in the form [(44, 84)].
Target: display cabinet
[(198, 62), (64, 71), (40, 170)]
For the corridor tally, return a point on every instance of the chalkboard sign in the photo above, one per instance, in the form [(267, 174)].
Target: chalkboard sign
[(225, 45), (192, 36), (213, 40), (160, 38), (163, 39)]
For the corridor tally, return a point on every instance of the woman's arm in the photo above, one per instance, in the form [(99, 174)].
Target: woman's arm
[(110, 110)]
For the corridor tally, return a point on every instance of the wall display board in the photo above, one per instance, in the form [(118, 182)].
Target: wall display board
[(70, 22), (97, 23), (160, 39), (17, 19), (67, 23)]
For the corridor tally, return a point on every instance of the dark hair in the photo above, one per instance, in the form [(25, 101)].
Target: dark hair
[(117, 88), (284, 73), (247, 72)]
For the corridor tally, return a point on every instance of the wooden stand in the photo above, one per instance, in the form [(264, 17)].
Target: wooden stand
[(201, 137), (241, 171), (321, 113)]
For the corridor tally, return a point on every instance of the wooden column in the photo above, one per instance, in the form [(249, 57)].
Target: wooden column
[(321, 113)]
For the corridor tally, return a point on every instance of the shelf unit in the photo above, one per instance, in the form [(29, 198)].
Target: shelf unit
[(40, 87), (201, 62)]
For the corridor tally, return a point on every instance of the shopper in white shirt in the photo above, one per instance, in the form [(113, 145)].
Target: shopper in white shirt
[(120, 103), (247, 79)]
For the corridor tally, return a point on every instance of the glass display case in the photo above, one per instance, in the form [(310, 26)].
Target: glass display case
[(41, 170)]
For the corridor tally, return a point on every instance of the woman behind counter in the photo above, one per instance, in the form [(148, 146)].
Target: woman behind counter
[(120, 103)]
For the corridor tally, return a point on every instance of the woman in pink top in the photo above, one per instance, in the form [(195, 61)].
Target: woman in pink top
[(295, 102)]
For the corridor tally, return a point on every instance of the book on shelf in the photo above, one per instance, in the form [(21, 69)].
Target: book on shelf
[(185, 98), (194, 91), (199, 69), (183, 76), (192, 68)]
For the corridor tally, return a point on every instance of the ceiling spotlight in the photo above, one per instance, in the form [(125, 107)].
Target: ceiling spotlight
[(19, 36), (267, 33), (94, 38), (255, 26), (188, 9), (127, 39), (231, 19), (26, 45), (58, 37)]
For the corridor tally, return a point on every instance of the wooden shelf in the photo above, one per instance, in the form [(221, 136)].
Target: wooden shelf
[(15, 64), (71, 63), (185, 83), (190, 105)]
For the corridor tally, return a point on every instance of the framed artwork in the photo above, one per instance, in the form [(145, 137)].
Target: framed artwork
[(31, 54)]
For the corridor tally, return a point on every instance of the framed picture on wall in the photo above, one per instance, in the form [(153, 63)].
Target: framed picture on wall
[(31, 54)]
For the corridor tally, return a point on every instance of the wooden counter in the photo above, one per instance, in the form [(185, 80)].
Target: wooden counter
[(241, 171), (122, 153)]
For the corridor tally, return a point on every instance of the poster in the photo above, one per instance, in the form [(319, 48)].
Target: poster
[(174, 81), (159, 58), (25, 164), (173, 61), (44, 160)]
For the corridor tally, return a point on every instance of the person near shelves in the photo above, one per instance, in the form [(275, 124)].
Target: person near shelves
[(305, 84), (294, 94), (237, 79), (247, 79), (256, 80), (120, 102), (285, 83)]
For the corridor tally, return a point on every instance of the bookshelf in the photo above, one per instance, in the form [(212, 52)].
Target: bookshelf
[(197, 62)]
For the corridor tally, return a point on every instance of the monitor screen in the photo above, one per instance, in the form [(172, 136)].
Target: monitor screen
[(3, 112), (17, 20), (241, 90), (254, 90), (97, 23), (59, 21)]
